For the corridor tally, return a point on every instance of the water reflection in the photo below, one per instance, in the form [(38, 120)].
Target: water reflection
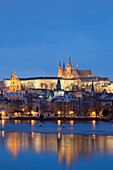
[(71, 122), (94, 124), (16, 142), (68, 147), (3, 122)]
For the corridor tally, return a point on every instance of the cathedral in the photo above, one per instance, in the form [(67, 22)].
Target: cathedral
[(68, 72)]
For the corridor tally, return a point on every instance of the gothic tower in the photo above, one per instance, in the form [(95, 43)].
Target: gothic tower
[(60, 70), (69, 62), (69, 69)]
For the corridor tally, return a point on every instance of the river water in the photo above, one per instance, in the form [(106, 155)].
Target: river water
[(33, 145)]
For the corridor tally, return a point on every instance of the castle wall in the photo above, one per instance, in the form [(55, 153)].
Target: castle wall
[(49, 83), (66, 84), (45, 83)]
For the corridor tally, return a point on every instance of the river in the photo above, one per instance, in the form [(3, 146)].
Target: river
[(34, 145)]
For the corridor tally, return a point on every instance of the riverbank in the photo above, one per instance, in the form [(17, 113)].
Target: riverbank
[(59, 118)]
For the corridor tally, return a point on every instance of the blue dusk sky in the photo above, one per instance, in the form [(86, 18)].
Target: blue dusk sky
[(36, 34)]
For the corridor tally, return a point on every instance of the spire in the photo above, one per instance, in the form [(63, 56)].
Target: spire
[(58, 85), (69, 62), (59, 64), (63, 65), (77, 66)]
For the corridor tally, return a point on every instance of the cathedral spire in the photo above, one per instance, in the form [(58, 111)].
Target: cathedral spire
[(59, 64), (69, 61), (63, 65)]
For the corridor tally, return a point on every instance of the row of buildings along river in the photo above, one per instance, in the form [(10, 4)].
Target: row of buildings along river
[(72, 93)]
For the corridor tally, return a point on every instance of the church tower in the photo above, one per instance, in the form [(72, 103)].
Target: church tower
[(63, 70), (69, 62), (15, 84), (64, 66), (60, 70), (69, 69)]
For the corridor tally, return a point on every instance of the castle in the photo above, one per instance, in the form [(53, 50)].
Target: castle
[(70, 79), (68, 72)]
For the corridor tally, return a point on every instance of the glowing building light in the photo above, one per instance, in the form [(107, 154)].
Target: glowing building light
[(93, 114), (71, 112), (16, 114), (3, 114), (59, 112)]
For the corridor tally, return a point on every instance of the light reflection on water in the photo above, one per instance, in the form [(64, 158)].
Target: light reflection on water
[(71, 145), (64, 127), (68, 151)]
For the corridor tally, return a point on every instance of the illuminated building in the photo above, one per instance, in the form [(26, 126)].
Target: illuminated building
[(15, 84), (61, 106), (69, 72), (71, 80)]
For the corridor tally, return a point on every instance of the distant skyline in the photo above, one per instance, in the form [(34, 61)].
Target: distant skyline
[(36, 34)]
